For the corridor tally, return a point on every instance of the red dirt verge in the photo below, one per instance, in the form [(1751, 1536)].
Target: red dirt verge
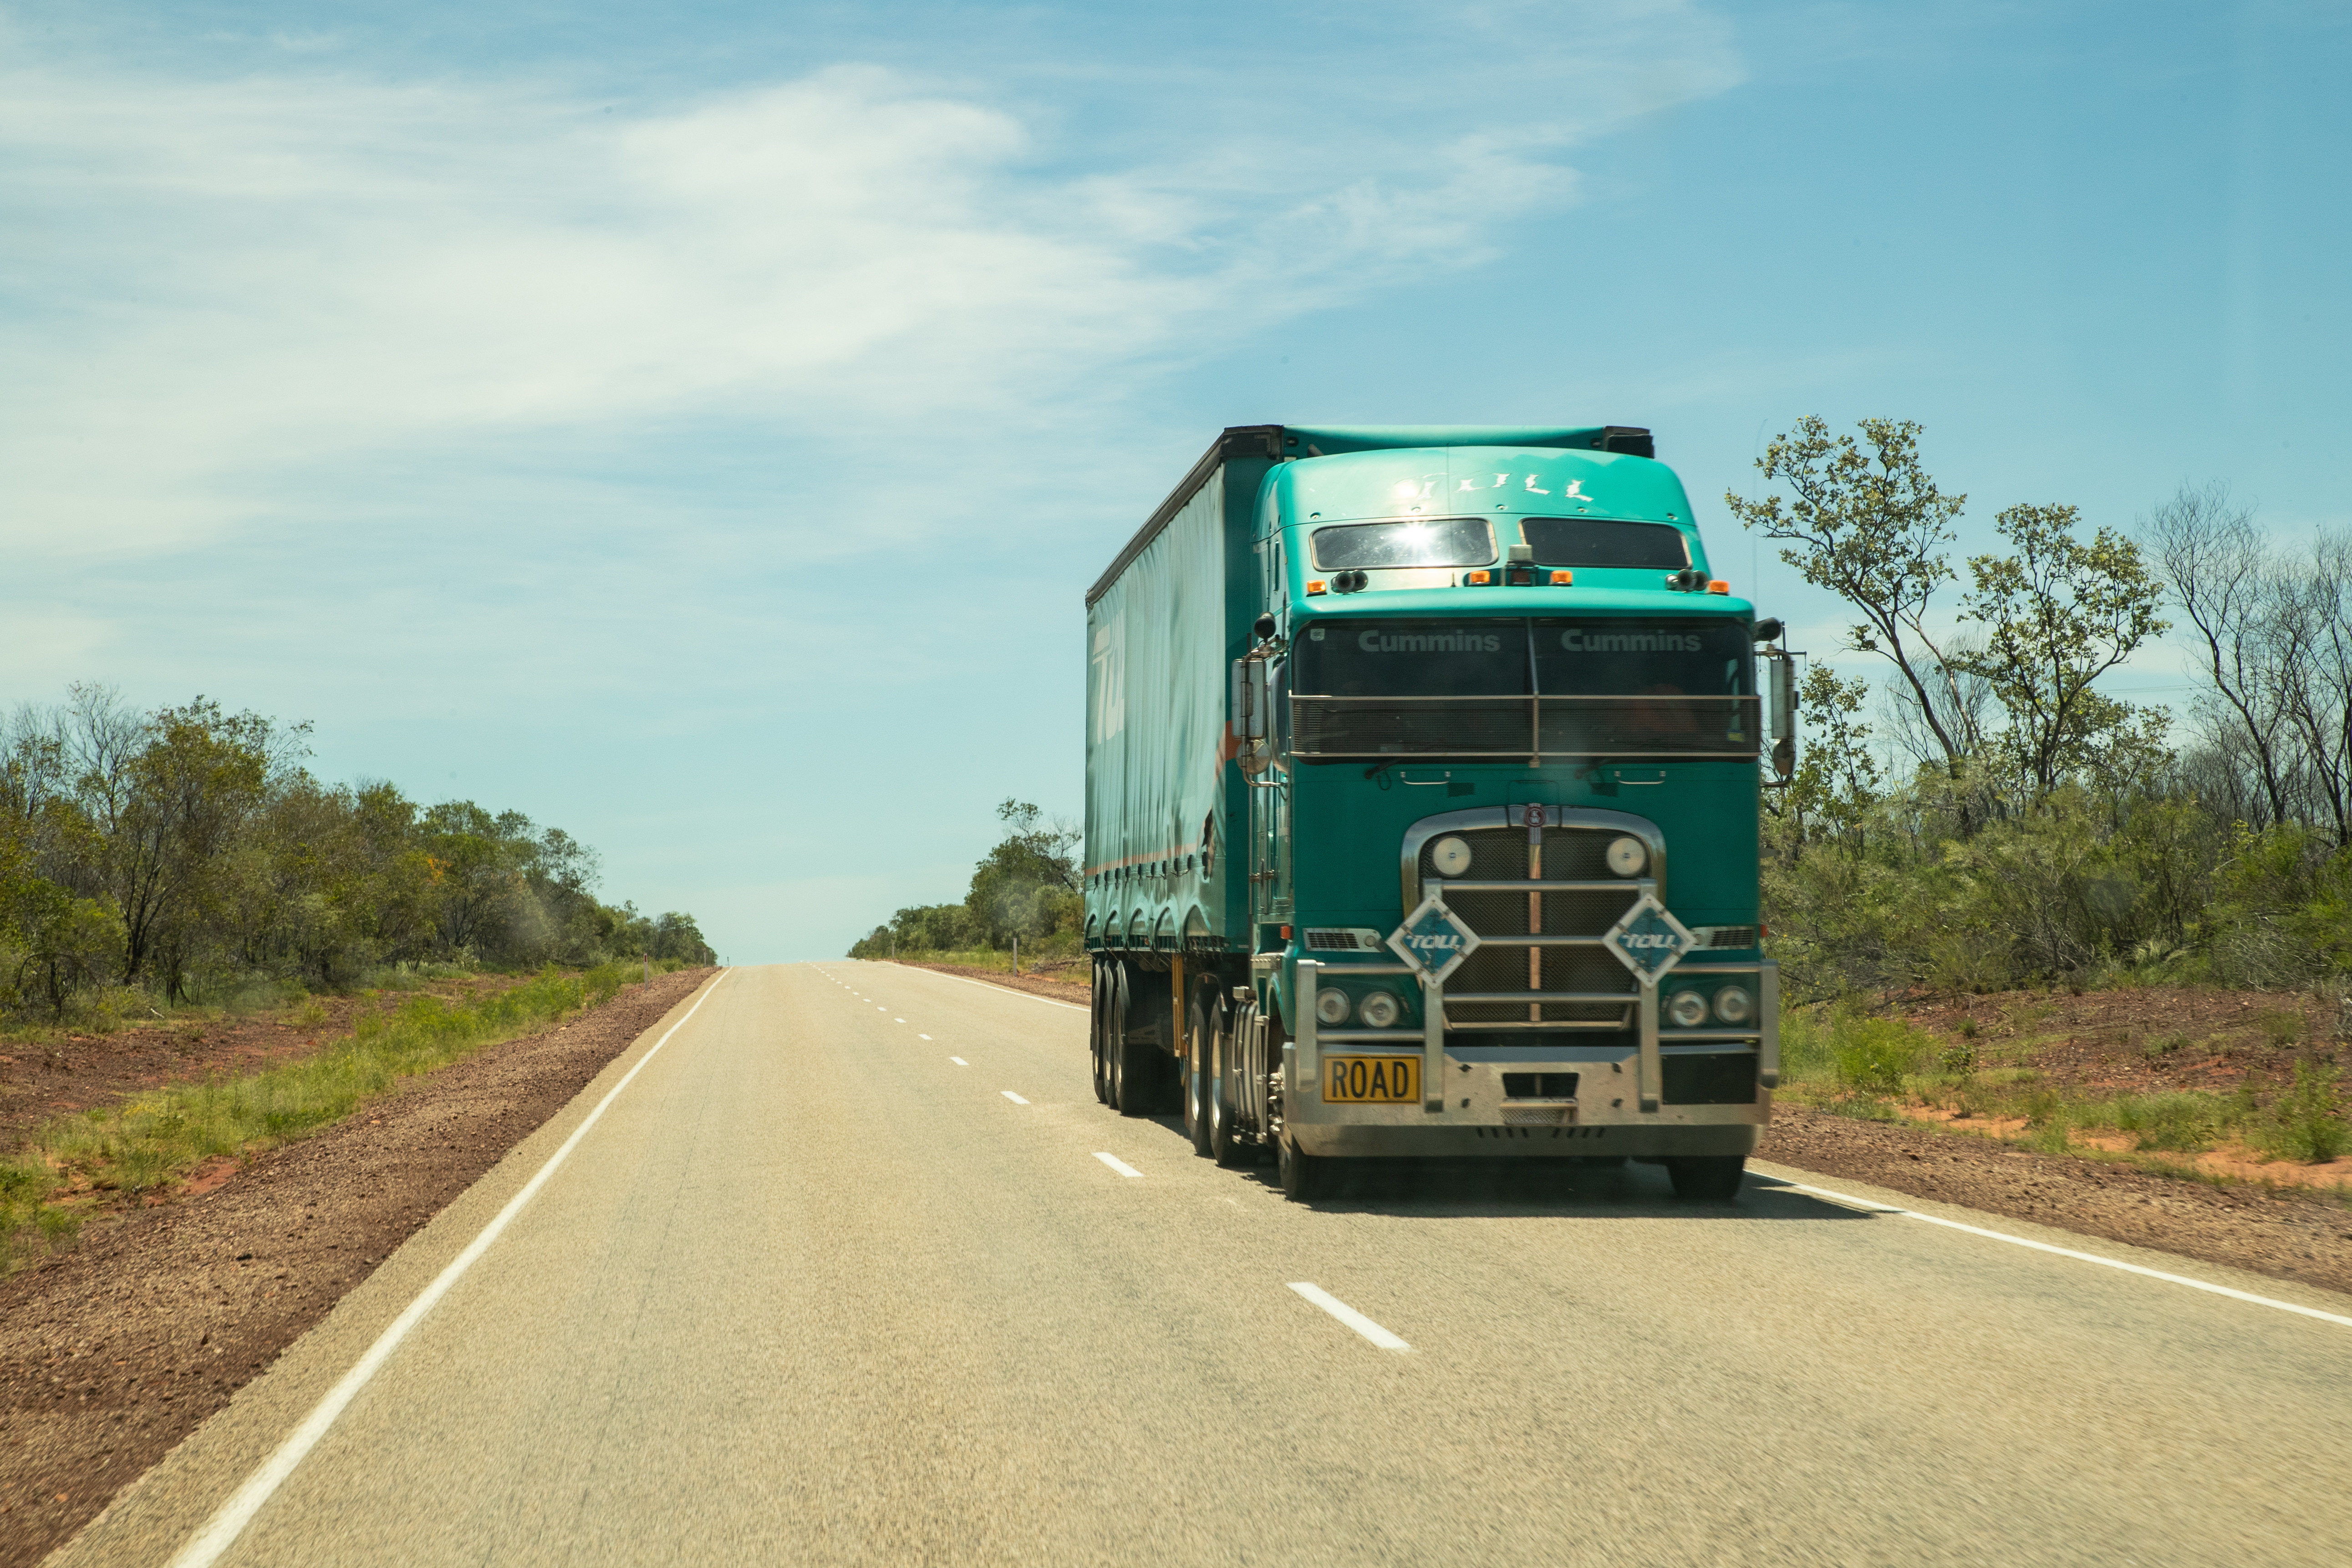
[(2286, 1236), (113, 1352)]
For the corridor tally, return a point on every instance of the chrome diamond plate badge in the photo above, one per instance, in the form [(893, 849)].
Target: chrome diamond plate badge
[(1434, 939), (1649, 940)]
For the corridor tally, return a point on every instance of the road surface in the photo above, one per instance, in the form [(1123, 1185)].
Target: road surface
[(856, 1270)]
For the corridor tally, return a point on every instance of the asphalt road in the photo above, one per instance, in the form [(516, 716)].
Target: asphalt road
[(818, 1288)]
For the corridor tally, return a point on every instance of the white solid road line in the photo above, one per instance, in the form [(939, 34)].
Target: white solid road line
[(1001, 990), (220, 1533), (958, 1060), (1116, 1164), (1013, 1097), (1870, 1207), (1349, 1316)]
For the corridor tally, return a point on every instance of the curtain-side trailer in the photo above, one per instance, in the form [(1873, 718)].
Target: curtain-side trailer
[(1421, 787)]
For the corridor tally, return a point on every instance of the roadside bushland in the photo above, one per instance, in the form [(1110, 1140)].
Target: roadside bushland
[(2284, 1102), (77, 1163), (1027, 887), (1988, 819), (185, 857)]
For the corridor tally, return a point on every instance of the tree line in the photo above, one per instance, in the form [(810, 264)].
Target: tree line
[(1987, 816), (1983, 816), (1028, 885), (186, 854)]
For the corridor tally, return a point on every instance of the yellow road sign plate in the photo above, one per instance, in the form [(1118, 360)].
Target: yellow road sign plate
[(1372, 1080)]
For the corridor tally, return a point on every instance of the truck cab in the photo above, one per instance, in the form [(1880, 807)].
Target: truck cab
[(1490, 884)]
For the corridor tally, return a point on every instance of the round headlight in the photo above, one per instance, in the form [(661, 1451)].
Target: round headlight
[(1331, 1006), (1379, 1011), (1733, 1006), (1628, 856), (1450, 857), (1688, 1010)]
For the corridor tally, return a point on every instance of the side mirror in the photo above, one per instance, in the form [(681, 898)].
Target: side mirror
[(1781, 687), (1249, 703)]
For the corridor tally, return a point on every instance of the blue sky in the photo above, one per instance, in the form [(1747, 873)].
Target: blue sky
[(696, 427)]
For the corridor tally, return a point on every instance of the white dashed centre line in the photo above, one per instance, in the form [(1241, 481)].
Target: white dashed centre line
[(960, 1061), (1013, 1097), (1116, 1164), (898, 1020), (1349, 1316), (922, 1036)]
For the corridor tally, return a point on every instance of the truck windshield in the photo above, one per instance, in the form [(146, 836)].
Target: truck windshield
[(1680, 685), (1440, 541), (1603, 542)]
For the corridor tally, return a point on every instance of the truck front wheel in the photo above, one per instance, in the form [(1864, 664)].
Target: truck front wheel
[(1304, 1177), (1707, 1178)]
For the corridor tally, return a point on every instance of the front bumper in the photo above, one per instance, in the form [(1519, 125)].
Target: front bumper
[(1621, 1104)]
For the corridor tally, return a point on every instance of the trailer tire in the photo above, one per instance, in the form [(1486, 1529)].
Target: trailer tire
[(1707, 1178), (1195, 1085), (1136, 1076), (1098, 1004), (1305, 1176)]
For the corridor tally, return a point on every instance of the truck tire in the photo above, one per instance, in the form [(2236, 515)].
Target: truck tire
[(1707, 1178), (1225, 1146), (1305, 1176), (1195, 1085), (1136, 1074), (1097, 1005)]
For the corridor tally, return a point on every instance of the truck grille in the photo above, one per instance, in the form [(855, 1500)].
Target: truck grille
[(1569, 854)]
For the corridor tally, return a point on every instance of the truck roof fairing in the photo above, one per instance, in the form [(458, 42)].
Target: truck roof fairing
[(1283, 443)]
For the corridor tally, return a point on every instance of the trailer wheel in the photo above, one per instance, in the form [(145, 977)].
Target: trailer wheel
[(1098, 1003), (1195, 1087), (1304, 1177), (1225, 1146), (1135, 1077), (1707, 1178)]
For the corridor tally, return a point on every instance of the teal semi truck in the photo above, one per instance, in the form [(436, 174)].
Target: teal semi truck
[(1423, 773)]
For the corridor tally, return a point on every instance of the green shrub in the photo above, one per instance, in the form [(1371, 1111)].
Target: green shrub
[(2281, 1029), (2308, 1123), (2179, 1123), (1875, 1055)]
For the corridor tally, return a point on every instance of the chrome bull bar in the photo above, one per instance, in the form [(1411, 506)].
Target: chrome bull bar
[(1309, 1037)]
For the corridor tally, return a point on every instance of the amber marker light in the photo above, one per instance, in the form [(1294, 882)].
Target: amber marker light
[(1718, 586), (1562, 579), (1476, 579), (1315, 584)]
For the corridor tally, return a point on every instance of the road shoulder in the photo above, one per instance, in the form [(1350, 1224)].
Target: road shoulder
[(115, 1352)]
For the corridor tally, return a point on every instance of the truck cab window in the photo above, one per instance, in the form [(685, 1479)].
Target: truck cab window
[(1440, 541), (1603, 542)]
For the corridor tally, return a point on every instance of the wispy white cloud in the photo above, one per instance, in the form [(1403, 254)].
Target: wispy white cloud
[(227, 281)]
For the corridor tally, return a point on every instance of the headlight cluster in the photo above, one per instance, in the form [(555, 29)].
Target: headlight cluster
[(1732, 1005), (1378, 1010)]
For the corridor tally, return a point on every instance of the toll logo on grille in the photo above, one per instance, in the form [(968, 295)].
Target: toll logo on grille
[(1434, 939), (1649, 940)]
